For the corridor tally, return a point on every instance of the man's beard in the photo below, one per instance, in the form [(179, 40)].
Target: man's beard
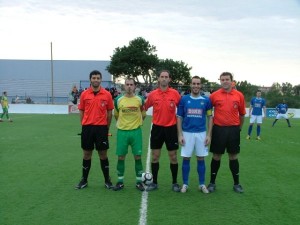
[(95, 85)]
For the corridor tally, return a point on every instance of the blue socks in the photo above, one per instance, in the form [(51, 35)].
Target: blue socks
[(201, 171), (185, 171), (250, 130), (258, 130)]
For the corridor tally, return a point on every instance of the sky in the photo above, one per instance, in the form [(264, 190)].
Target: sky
[(257, 40)]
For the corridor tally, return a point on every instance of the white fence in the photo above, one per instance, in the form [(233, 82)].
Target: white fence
[(38, 109), (66, 109)]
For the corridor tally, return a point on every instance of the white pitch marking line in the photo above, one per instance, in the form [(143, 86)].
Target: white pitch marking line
[(144, 202)]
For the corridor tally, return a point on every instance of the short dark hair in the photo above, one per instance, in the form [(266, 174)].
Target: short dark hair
[(196, 77), (227, 74), (164, 71), (95, 72), (130, 78)]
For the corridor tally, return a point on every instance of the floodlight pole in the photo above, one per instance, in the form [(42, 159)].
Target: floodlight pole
[(52, 92)]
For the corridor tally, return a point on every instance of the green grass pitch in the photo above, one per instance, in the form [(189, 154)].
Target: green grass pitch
[(40, 163)]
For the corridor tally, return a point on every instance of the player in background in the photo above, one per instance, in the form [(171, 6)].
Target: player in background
[(191, 125), (164, 101), (228, 120), (257, 112), (282, 109), (74, 95), (233, 84), (5, 106), (95, 110), (129, 114)]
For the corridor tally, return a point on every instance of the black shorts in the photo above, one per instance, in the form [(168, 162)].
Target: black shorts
[(225, 138), (94, 136), (161, 135)]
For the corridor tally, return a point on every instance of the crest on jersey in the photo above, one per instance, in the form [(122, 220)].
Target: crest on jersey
[(235, 105), (103, 103)]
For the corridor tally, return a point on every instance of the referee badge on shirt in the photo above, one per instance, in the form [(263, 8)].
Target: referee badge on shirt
[(172, 106), (235, 105), (103, 103)]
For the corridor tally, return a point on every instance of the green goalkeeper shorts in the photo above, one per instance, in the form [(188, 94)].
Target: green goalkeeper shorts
[(5, 110), (126, 138)]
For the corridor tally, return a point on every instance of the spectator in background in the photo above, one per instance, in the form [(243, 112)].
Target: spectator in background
[(28, 100), (187, 92), (80, 91), (137, 90), (147, 93), (74, 95), (17, 99), (233, 84), (143, 93), (112, 92), (116, 93)]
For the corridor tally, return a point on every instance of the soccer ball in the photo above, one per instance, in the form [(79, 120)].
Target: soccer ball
[(147, 178)]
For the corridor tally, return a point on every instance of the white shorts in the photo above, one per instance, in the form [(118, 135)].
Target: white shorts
[(194, 142), (281, 116), (254, 118)]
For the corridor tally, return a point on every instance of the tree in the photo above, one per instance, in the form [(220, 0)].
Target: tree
[(136, 60), (211, 86), (180, 72), (204, 83), (247, 89), (297, 90), (287, 89)]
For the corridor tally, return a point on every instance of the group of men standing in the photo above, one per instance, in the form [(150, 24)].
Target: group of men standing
[(187, 121)]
